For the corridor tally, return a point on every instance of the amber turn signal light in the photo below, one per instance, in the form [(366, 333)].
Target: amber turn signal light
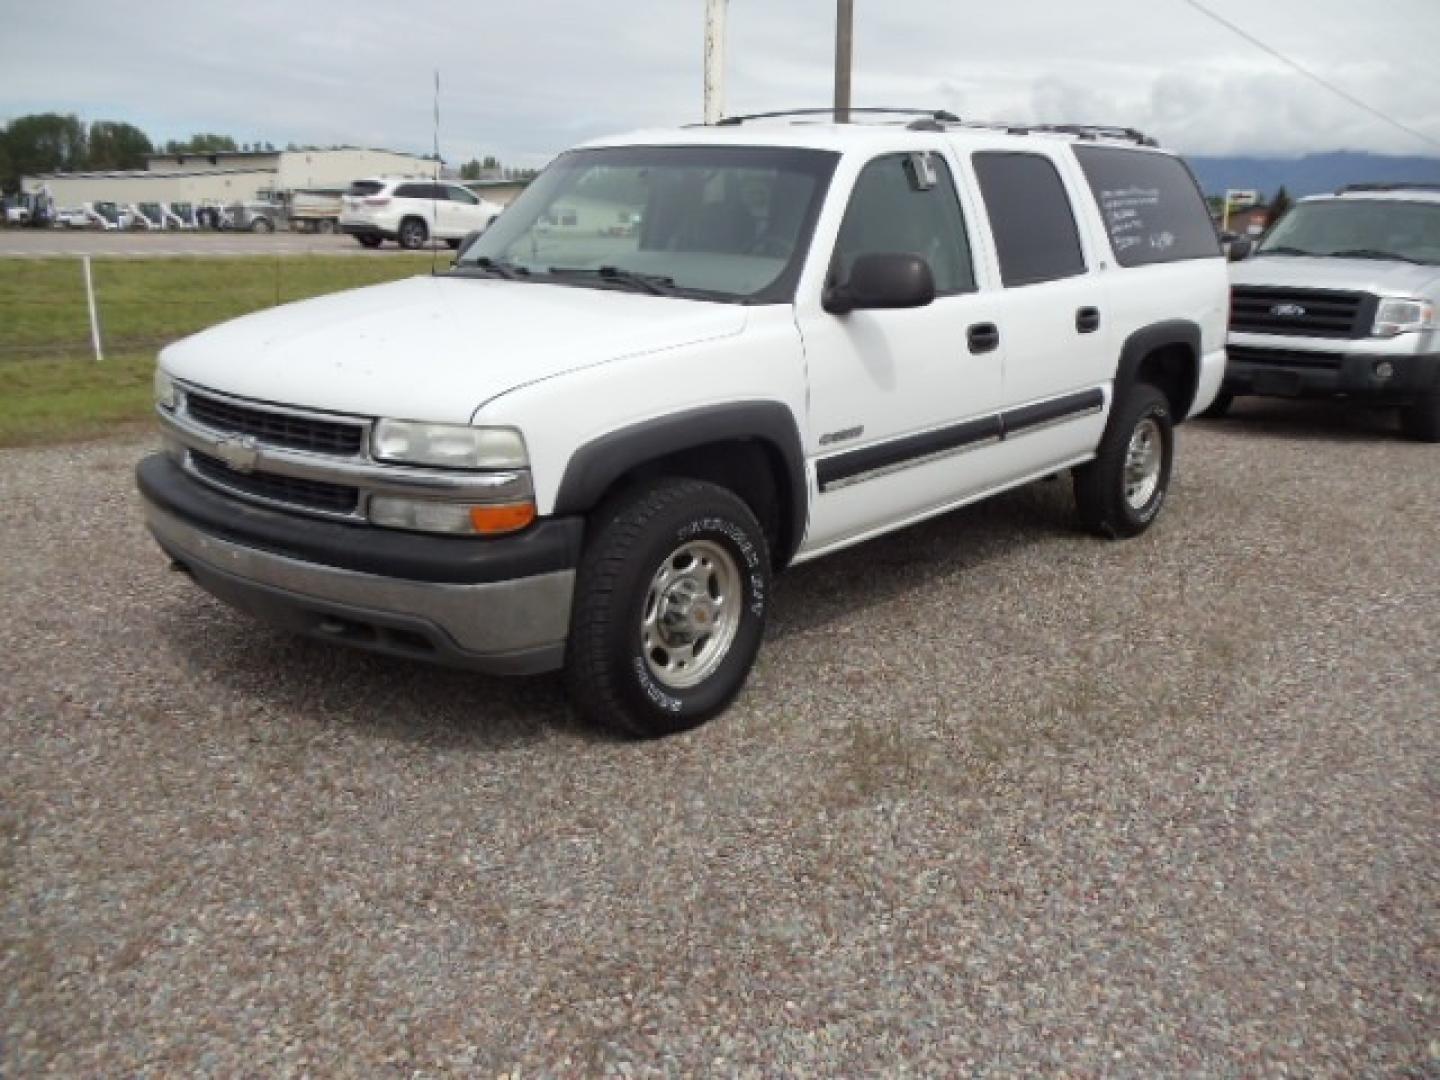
[(509, 517)]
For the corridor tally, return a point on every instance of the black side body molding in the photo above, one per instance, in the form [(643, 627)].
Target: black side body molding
[(1048, 412), (594, 467), (903, 451)]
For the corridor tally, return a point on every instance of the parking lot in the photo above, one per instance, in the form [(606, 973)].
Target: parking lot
[(1000, 799), (53, 243)]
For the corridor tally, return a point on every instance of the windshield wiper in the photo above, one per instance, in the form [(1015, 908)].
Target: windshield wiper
[(507, 270), (1372, 253), (654, 284), (1283, 250)]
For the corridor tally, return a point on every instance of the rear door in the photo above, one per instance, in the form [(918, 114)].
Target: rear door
[(1050, 312), (466, 212)]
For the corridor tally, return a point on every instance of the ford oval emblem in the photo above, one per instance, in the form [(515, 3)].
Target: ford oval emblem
[(1293, 311), (240, 452)]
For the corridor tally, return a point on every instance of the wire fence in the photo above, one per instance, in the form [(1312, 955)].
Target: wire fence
[(141, 305)]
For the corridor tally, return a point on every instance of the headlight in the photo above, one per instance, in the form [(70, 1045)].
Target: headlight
[(1394, 317), (164, 390), (448, 446)]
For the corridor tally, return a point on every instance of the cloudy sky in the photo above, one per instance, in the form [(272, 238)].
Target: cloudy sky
[(523, 79)]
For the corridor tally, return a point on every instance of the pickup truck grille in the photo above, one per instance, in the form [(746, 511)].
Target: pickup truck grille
[(290, 430), (1301, 312), (302, 494)]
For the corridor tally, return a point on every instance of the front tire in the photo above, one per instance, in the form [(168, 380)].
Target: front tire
[(1121, 492), (670, 607), (413, 234), (1421, 419)]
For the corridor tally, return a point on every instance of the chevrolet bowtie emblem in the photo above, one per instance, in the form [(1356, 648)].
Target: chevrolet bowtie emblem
[(240, 452)]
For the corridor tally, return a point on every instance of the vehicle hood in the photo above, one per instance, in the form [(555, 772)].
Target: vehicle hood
[(1349, 275), (435, 348)]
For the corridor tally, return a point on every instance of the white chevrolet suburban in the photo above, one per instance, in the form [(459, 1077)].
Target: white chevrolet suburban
[(680, 362), (1342, 299)]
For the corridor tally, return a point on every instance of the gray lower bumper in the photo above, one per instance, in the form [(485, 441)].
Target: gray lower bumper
[(515, 627)]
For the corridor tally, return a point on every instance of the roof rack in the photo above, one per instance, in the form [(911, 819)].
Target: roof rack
[(943, 120), (1405, 186), (937, 115)]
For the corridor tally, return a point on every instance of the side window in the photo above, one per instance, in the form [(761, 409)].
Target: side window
[(1031, 217), (907, 203), (412, 191), (460, 195), (1153, 210)]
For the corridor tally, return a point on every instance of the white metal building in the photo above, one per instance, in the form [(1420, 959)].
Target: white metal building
[(229, 176)]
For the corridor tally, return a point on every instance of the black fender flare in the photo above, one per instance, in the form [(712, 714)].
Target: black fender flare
[(594, 467), (1145, 341)]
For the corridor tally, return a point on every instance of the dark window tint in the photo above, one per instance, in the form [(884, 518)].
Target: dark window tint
[(1031, 217), (365, 187), (907, 203), (422, 191), (460, 195), (1152, 209)]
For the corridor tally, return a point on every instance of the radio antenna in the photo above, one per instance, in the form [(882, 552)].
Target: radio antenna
[(435, 187)]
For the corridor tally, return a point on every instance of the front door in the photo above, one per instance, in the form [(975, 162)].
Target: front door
[(903, 403)]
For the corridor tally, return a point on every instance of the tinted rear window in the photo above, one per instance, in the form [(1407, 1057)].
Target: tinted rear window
[(1152, 208), (422, 191), (1030, 215), (365, 187)]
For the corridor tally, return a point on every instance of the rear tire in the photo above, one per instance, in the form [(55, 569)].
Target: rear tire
[(1220, 406), (369, 241), (413, 234), (261, 225), (670, 606), (325, 226), (1121, 492), (1421, 419)]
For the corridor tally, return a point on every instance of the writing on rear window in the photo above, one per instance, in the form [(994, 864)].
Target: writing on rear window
[(1152, 209)]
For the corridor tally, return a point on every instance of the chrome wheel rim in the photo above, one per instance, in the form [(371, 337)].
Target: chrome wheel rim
[(1143, 459), (691, 614)]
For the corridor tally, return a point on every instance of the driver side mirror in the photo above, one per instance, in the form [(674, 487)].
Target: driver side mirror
[(890, 280)]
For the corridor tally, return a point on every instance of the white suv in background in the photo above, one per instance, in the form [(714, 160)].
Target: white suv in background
[(412, 210)]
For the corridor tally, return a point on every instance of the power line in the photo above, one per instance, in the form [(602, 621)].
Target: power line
[(1278, 55)]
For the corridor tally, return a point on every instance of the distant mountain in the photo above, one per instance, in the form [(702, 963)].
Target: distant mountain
[(1311, 174)]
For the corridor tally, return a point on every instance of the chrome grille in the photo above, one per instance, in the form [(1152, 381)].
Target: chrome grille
[(291, 490), (1301, 312), (292, 430)]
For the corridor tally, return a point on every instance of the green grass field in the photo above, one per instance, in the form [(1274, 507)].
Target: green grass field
[(51, 388)]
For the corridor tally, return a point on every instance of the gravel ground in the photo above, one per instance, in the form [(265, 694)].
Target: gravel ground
[(1000, 799)]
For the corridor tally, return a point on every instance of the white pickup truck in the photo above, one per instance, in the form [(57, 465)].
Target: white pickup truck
[(682, 361)]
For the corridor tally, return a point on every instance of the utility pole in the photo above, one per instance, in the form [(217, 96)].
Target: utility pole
[(714, 60), (844, 49)]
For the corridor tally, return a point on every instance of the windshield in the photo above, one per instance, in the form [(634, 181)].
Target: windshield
[(725, 223), (108, 210), (1359, 228)]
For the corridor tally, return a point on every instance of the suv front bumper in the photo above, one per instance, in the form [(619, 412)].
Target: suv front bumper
[(1291, 372), (498, 605)]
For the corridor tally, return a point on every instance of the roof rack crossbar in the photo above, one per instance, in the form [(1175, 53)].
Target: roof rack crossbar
[(1095, 131), (941, 119), (938, 115)]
